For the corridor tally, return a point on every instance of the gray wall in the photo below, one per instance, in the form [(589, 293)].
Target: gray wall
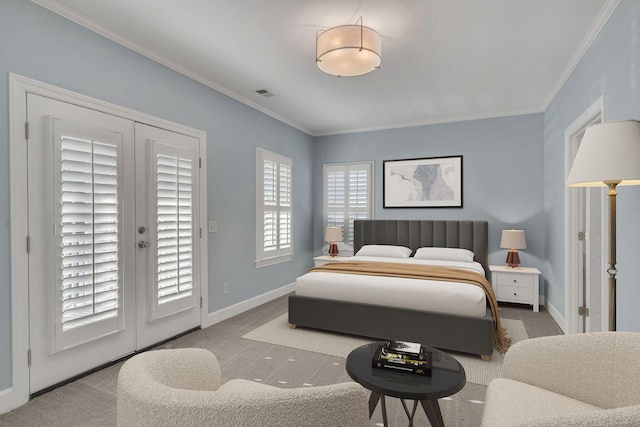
[(502, 174), (41, 45), (611, 68)]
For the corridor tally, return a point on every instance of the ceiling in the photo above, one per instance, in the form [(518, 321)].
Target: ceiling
[(442, 60)]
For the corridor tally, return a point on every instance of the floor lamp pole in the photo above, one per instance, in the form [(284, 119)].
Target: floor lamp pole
[(612, 253)]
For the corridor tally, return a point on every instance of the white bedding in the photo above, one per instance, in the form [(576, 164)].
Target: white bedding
[(428, 295)]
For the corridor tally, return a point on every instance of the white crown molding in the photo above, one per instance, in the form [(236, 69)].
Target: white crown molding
[(587, 41), (72, 15), (471, 117)]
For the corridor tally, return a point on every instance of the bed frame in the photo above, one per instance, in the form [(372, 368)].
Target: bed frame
[(446, 331)]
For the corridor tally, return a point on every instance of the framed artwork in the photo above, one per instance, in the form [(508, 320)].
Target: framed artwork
[(432, 182)]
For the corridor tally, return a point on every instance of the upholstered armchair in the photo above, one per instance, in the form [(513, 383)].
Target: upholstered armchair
[(181, 387), (577, 380)]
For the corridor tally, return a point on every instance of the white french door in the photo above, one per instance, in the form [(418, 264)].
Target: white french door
[(112, 220), (166, 232)]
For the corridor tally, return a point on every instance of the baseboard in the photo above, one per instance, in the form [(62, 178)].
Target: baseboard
[(555, 314), (9, 400), (239, 308)]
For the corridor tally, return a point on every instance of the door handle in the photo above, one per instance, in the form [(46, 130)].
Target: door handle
[(142, 244)]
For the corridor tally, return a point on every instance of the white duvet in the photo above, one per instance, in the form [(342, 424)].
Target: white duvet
[(428, 295)]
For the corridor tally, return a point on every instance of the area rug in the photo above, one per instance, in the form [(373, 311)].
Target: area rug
[(278, 332)]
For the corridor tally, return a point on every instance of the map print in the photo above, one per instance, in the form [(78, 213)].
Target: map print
[(423, 182)]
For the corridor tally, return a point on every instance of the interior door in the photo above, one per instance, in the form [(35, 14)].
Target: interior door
[(81, 270), (591, 283), (167, 232)]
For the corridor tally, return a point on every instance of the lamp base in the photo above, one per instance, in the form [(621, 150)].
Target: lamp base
[(513, 259), (333, 249)]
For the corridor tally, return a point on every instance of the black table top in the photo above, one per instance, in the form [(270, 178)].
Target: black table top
[(447, 377)]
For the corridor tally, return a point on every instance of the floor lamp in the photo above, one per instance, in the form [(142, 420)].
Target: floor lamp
[(609, 155)]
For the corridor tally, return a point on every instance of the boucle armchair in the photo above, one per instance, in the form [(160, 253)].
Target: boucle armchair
[(572, 380), (181, 387)]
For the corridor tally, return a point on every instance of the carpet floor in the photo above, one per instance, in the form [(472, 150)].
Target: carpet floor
[(91, 400), (278, 332)]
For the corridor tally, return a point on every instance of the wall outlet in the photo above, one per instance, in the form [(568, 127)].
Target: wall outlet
[(213, 226), (226, 288)]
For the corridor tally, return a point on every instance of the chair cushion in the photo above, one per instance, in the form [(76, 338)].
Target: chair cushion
[(512, 403)]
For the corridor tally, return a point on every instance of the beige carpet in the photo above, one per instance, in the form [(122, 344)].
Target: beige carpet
[(278, 332)]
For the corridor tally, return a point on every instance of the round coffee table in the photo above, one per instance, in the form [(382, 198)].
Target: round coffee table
[(447, 377)]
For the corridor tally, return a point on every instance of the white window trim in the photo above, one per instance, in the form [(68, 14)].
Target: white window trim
[(264, 259), (345, 247)]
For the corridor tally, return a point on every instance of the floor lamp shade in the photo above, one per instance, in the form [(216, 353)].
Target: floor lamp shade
[(608, 152), (333, 235), (609, 155), (513, 240)]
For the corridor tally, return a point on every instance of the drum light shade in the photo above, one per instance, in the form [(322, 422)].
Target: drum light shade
[(348, 50)]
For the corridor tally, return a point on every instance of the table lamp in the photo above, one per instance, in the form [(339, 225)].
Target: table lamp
[(608, 156), (333, 235), (513, 240)]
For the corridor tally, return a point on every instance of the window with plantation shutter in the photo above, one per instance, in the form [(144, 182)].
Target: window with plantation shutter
[(273, 208), (87, 186), (347, 196)]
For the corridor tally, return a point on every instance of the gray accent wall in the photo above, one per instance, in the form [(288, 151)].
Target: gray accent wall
[(502, 162), (41, 45), (610, 68)]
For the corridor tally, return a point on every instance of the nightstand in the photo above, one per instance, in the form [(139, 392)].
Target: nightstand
[(323, 259), (519, 285)]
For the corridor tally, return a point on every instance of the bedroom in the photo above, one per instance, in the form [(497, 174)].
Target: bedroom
[(513, 165)]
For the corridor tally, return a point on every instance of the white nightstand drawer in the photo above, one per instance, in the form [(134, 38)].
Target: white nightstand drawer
[(515, 279), (515, 294), (520, 285)]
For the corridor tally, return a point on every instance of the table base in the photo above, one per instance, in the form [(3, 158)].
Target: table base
[(431, 409)]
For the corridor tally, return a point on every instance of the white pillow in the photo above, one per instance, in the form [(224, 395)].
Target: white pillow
[(445, 254), (388, 251)]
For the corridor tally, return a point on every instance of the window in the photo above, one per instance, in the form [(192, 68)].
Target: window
[(348, 195), (273, 208)]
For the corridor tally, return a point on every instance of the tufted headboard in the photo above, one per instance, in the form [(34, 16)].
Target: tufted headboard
[(414, 234)]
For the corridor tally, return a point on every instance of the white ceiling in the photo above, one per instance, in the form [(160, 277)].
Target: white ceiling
[(442, 60)]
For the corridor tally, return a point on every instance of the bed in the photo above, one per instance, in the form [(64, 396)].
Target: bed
[(456, 331)]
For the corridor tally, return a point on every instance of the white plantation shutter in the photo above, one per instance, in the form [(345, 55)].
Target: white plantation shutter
[(348, 195), (88, 280), (173, 173), (273, 208)]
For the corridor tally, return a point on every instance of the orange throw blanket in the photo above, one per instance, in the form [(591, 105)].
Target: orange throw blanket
[(426, 272)]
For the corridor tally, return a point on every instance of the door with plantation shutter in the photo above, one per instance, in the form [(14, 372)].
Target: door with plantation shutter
[(166, 219), (81, 270), (113, 227)]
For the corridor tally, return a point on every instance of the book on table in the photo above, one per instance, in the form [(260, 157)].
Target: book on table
[(403, 358)]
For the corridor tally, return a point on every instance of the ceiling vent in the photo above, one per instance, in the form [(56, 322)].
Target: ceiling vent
[(264, 93)]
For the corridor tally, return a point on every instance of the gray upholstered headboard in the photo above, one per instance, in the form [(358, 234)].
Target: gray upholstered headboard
[(414, 234)]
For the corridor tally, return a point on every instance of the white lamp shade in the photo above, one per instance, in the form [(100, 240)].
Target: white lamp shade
[(513, 239), (333, 234), (608, 152), (348, 50)]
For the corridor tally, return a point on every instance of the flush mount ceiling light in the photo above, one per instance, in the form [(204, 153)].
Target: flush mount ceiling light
[(348, 50)]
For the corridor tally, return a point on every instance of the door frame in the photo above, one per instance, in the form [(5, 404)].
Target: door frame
[(19, 86), (572, 250)]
